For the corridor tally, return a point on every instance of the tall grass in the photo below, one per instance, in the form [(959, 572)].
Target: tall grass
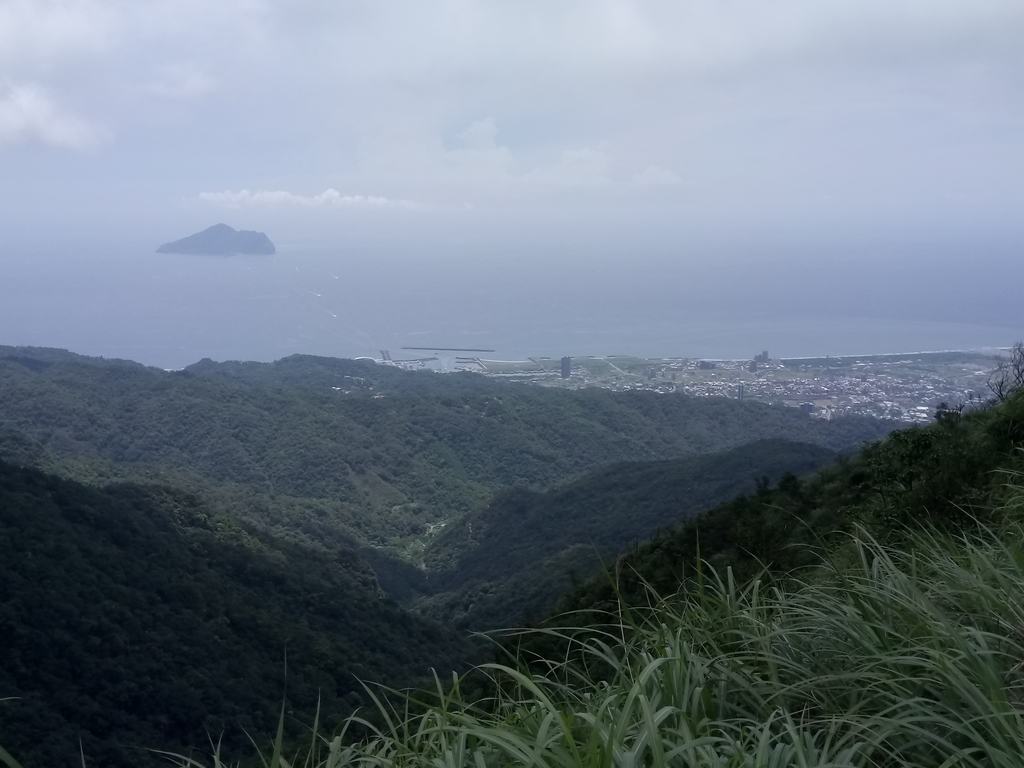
[(910, 657), (886, 657)]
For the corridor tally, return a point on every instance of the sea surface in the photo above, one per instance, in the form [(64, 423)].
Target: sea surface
[(170, 311)]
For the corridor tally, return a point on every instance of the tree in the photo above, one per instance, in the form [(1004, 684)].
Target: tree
[(949, 414), (1008, 375)]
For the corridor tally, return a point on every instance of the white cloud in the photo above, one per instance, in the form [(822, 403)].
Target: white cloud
[(28, 114), (329, 198), (655, 175), (55, 33), (462, 100), (481, 158), (183, 81), (47, 30), (577, 167), (480, 135)]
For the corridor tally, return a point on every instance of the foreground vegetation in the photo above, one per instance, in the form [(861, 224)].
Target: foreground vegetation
[(518, 554), (886, 656), (896, 641), (138, 616), (868, 615), (880, 656), (950, 475), (226, 517)]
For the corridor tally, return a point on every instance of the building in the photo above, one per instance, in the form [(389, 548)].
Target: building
[(566, 367)]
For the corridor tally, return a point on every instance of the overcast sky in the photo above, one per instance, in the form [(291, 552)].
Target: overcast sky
[(644, 121)]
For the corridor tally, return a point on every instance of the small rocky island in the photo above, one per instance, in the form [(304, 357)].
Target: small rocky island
[(221, 240)]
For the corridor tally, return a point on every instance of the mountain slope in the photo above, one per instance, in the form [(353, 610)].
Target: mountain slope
[(950, 475), (221, 240), (137, 617), (316, 447), (519, 554)]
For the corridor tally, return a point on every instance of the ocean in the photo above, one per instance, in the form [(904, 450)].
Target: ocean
[(170, 311)]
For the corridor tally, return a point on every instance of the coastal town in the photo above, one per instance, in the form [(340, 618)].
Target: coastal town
[(906, 388)]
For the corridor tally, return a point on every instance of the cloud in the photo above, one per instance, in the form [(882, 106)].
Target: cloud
[(47, 30), (480, 135), (493, 103), (655, 175), (576, 167), (481, 158), (182, 81), (329, 198), (28, 114)]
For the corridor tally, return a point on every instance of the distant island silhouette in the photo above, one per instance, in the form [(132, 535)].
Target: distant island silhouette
[(221, 240)]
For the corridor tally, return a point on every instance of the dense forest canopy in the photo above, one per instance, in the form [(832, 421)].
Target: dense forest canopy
[(139, 617), (314, 448), (515, 557), (168, 536), (951, 475)]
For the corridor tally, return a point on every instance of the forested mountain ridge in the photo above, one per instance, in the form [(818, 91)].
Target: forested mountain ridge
[(173, 607), (229, 511), (138, 617), (514, 558), (950, 475), (317, 447), (895, 641), (107, 541)]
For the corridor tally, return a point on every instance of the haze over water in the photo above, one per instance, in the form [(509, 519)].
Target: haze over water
[(658, 178), (172, 310)]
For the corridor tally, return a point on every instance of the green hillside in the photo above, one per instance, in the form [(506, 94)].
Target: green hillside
[(319, 449), (951, 475), (901, 657), (204, 521), (866, 616), (517, 555), (805, 619), (137, 617)]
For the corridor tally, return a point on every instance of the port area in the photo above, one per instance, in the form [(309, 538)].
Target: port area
[(903, 387)]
